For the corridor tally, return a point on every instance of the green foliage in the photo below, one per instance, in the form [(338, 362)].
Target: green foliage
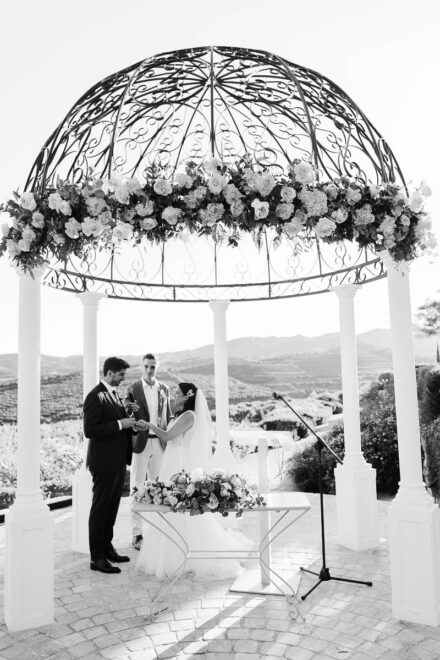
[(61, 455), (429, 394), (431, 448)]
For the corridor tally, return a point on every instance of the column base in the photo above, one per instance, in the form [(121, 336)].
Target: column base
[(356, 507), (414, 533), (81, 503), (29, 566)]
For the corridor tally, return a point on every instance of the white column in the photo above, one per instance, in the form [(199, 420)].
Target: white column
[(82, 480), (414, 518), (29, 534), (223, 456), (356, 500)]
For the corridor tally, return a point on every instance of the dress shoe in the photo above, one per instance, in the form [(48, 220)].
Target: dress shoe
[(137, 541), (112, 555), (104, 566)]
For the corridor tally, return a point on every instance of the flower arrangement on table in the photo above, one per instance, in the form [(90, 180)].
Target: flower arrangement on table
[(198, 492), (213, 198)]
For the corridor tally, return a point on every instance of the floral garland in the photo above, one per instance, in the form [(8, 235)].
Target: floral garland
[(214, 199), (198, 492)]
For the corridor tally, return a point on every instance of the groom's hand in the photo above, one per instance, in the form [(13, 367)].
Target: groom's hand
[(141, 425), (128, 422)]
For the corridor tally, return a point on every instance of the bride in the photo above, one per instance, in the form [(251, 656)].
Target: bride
[(188, 446)]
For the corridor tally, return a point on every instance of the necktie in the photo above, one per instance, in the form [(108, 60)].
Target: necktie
[(116, 396)]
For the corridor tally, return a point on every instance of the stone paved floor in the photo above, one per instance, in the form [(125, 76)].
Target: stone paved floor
[(102, 616)]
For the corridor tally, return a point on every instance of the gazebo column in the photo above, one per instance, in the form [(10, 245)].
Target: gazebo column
[(82, 480), (29, 534), (356, 500), (413, 518), (223, 457)]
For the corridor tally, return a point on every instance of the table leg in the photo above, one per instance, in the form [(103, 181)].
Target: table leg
[(170, 579)]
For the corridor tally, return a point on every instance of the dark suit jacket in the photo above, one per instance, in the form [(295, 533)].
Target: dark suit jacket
[(109, 448), (164, 408)]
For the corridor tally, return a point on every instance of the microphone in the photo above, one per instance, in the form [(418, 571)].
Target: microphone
[(130, 395), (276, 396)]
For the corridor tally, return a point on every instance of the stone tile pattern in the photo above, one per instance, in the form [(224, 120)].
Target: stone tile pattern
[(102, 616)]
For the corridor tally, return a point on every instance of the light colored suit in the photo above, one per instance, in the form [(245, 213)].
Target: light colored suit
[(148, 452)]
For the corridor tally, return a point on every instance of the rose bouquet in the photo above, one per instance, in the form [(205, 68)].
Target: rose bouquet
[(198, 492)]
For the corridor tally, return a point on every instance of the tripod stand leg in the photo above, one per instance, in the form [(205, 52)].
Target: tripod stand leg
[(304, 596), (368, 584)]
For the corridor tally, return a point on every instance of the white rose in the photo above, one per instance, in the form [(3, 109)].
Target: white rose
[(339, 216), (331, 191), (284, 210), (197, 474), (425, 189), (145, 209), (374, 190), (65, 208), (200, 192), (325, 227), (37, 219), (122, 194), (172, 500), (416, 201), (13, 248), (404, 219), (28, 234), (122, 232), (91, 226), (218, 472), (261, 209), (72, 228), (171, 215), (231, 193), (27, 201), (287, 194), (23, 246), (265, 184), (182, 180), (304, 173), (105, 217), (236, 208), (59, 239), (55, 201), (149, 223), (213, 502), (293, 227), (162, 187), (95, 205), (216, 183), (133, 185), (190, 489), (353, 195)]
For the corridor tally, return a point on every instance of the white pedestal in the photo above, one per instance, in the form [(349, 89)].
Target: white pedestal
[(81, 503), (356, 507), (29, 567), (414, 532)]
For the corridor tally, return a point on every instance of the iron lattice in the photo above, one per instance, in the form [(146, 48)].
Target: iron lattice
[(222, 101)]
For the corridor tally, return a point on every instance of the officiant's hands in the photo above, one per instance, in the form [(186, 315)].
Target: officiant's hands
[(131, 407)]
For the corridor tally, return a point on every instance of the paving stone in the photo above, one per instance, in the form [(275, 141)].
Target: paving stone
[(245, 646), (273, 649)]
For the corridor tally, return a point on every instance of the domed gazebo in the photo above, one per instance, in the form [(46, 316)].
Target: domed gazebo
[(294, 142)]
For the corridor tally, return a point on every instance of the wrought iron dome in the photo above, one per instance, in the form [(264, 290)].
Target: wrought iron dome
[(214, 101)]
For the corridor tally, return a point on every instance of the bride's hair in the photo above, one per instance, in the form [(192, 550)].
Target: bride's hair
[(190, 403)]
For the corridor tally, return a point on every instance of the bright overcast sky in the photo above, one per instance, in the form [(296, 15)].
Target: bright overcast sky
[(383, 53)]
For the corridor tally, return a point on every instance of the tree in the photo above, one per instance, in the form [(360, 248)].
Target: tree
[(428, 321)]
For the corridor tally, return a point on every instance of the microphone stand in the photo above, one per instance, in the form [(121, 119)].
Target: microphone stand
[(324, 573)]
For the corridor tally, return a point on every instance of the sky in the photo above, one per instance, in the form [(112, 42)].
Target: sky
[(384, 54)]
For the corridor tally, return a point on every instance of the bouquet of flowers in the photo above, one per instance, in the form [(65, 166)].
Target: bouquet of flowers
[(198, 492)]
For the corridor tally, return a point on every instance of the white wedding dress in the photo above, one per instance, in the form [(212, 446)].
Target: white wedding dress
[(159, 556)]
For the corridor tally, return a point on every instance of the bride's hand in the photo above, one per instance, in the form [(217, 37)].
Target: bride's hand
[(141, 425)]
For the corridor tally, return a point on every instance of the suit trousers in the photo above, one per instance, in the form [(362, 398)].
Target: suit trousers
[(145, 465), (107, 491)]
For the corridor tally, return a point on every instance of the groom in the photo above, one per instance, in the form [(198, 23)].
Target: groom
[(153, 399)]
